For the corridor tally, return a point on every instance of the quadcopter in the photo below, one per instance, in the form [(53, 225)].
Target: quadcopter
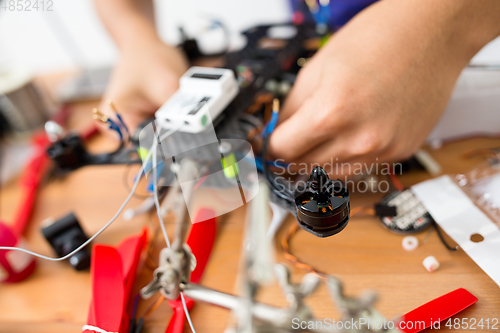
[(238, 103)]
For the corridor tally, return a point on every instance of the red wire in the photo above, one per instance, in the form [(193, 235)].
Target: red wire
[(395, 181), (31, 179)]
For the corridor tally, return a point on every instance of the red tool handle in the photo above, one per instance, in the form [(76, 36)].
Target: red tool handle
[(176, 324), (438, 309), (108, 288), (113, 273), (30, 180), (34, 172), (201, 239)]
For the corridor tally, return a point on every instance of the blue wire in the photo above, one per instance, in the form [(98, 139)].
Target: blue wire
[(115, 127), (258, 164), (271, 125), (268, 129), (122, 123), (150, 185)]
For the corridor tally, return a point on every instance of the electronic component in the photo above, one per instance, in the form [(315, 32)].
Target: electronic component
[(403, 213), (322, 204), (65, 235), (410, 243), (431, 264), (69, 154), (202, 96)]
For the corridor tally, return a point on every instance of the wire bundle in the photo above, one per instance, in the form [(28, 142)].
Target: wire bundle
[(118, 126), (279, 187), (151, 154)]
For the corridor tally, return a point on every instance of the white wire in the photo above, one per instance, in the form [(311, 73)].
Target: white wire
[(164, 231), (155, 195), (157, 202), (155, 179), (78, 249), (96, 234), (186, 311)]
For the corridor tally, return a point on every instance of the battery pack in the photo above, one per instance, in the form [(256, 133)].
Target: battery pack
[(203, 94)]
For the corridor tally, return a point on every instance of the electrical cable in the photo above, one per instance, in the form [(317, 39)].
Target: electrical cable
[(155, 194), (153, 306), (397, 184), (270, 178), (118, 116), (155, 177), (287, 253), (285, 244), (95, 235), (135, 304), (395, 181), (441, 238), (186, 311), (157, 204), (368, 209), (165, 235)]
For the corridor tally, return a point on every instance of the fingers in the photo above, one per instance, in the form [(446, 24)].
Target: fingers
[(305, 129), (339, 162), (162, 87), (341, 166), (133, 108), (305, 85)]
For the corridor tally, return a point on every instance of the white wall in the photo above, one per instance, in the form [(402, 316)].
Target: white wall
[(27, 40)]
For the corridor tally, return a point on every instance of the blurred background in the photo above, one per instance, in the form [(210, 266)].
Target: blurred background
[(34, 40)]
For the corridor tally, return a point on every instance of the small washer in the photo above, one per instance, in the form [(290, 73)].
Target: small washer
[(410, 243)]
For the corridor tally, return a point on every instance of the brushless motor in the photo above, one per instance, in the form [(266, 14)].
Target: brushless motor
[(322, 204)]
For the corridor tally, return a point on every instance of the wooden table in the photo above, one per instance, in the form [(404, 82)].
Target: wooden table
[(365, 255)]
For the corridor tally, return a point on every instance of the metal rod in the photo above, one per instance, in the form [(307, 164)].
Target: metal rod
[(260, 311), (188, 172)]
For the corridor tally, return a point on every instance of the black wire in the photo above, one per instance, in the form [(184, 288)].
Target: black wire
[(271, 180), (139, 326), (441, 238)]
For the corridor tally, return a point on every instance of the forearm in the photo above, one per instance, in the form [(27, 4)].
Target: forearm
[(130, 22), (462, 27), (419, 40)]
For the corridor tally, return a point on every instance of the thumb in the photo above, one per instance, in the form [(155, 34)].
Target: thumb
[(301, 132)]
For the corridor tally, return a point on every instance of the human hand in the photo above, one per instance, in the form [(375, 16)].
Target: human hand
[(145, 76), (378, 87)]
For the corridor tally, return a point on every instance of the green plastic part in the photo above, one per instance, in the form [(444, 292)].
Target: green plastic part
[(143, 153), (230, 166)]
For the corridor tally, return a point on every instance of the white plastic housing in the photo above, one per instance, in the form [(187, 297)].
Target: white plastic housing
[(203, 94)]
